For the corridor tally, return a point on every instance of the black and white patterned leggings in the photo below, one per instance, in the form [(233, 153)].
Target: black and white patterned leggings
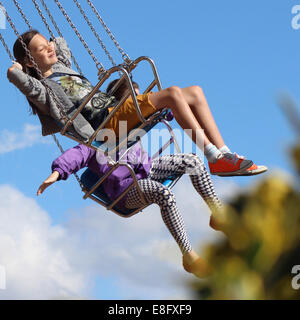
[(155, 192)]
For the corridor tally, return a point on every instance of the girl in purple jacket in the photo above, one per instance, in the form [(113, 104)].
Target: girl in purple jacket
[(150, 174)]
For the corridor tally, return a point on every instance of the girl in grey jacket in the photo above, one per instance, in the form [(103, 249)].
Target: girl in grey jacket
[(53, 60)]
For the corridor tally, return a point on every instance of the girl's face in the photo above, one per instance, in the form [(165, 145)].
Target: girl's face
[(43, 52)]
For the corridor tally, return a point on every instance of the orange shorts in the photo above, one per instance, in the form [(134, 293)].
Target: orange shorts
[(127, 112)]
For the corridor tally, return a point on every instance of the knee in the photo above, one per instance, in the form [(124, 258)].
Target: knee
[(194, 163), (198, 161), (197, 92), (174, 94), (166, 197)]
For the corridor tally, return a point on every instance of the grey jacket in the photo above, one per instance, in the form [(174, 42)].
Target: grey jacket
[(47, 110)]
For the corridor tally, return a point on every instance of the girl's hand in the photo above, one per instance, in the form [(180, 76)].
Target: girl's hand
[(15, 65), (47, 183)]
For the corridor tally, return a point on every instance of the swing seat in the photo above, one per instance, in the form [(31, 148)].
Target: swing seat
[(89, 179)]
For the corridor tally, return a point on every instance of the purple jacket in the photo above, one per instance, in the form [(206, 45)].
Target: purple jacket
[(82, 156)]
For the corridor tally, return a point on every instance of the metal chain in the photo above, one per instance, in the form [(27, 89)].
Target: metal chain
[(43, 18), (95, 33), (60, 34), (99, 65), (124, 55), (22, 14), (51, 18), (6, 48)]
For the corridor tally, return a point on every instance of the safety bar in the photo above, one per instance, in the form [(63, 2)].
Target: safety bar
[(89, 193), (101, 180)]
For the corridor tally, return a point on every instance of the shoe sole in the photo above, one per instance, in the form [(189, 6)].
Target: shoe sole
[(242, 172)]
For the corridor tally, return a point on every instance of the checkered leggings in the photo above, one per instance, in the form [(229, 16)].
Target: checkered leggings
[(155, 192)]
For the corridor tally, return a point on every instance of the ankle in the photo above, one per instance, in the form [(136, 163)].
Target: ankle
[(214, 224), (212, 153), (194, 264), (190, 256), (225, 149)]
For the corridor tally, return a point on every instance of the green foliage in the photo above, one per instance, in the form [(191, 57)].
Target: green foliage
[(262, 244)]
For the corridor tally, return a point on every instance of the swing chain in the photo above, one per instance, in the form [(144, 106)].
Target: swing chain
[(22, 14), (43, 18), (99, 65), (124, 55), (6, 47), (94, 31)]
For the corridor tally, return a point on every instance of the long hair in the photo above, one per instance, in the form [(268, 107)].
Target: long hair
[(23, 58), (119, 93)]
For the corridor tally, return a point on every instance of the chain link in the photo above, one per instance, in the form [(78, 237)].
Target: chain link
[(60, 34), (95, 33), (99, 65), (22, 14), (124, 55), (43, 18), (6, 48)]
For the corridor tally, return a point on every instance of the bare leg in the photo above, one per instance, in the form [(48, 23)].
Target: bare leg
[(174, 99), (195, 98)]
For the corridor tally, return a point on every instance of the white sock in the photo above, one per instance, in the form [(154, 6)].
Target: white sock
[(225, 149), (212, 153)]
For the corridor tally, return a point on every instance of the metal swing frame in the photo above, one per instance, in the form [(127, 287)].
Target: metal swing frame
[(124, 71)]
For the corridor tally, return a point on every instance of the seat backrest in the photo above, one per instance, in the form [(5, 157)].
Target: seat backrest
[(89, 179)]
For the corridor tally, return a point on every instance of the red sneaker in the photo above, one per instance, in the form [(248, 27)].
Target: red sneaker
[(230, 165)]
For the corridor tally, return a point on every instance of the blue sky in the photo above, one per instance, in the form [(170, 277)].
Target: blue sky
[(243, 55)]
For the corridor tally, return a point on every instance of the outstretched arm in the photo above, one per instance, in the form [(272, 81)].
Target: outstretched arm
[(47, 183), (69, 162)]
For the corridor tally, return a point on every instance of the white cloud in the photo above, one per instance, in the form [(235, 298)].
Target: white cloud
[(36, 265), (10, 141), (63, 261)]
